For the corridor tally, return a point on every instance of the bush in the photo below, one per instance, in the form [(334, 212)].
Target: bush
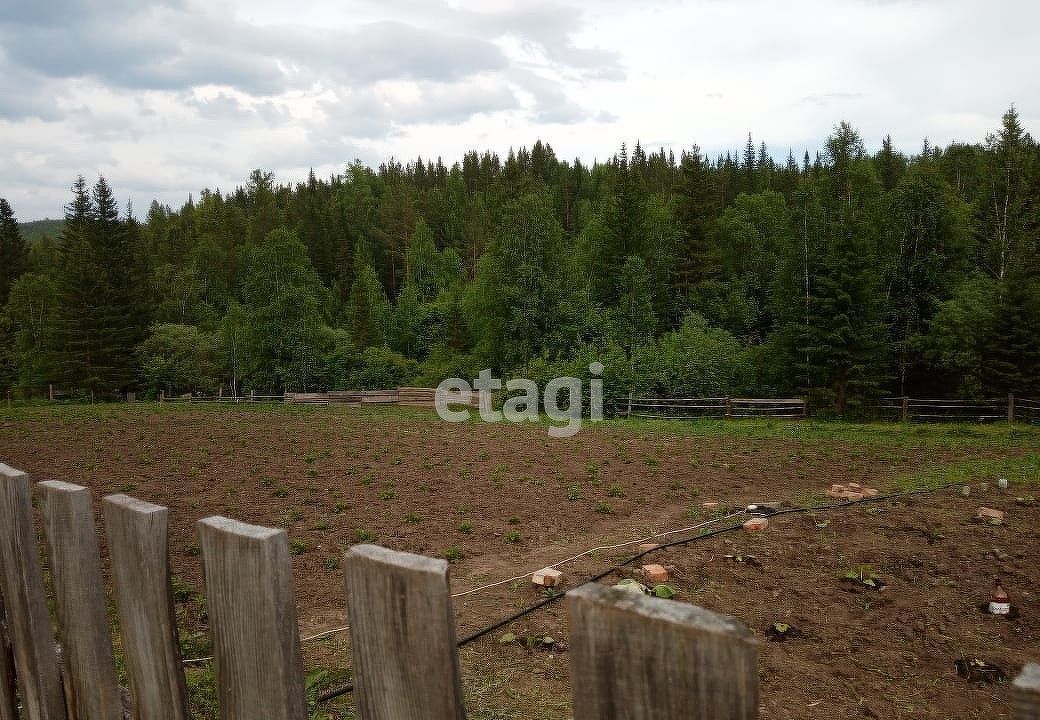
[(178, 359), (382, 368)]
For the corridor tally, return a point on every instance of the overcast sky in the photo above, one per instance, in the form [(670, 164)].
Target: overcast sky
[(167, 98)]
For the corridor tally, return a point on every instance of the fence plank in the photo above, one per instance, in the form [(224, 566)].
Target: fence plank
[(406, 664), (8, 705), (21, 582), (635, 657), (1025, 693), (72, 550), (256, 641), (137, 546)]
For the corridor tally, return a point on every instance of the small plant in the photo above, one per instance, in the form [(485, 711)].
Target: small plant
[(340, 508), (453, 554), (465, 527), (574, 493), (465, 509), (604, 508), (366, 480), (192, 550), (514, 520), (182, 592), (388, 492), (364, 536), (298, 546), (592, 469), (513, 536), (864, 575), (413, 517), (281, 492), (616, 491), (322, 525), (331, 563)]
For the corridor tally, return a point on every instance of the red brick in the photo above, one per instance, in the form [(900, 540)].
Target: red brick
[(655, 573), (990, 514), (756, 524), (547, 577)]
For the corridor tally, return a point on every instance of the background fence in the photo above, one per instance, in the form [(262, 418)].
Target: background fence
[(631, 656), (719, 407), (1010, 409)]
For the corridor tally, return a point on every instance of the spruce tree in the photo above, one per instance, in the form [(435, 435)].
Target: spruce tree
[(14, 254)]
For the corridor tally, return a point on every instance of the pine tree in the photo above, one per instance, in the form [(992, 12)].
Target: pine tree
[(697, 204), (890, 164), (14, 254), (749, 182)]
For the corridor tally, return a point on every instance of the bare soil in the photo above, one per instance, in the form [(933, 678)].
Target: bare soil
[(405, 480)]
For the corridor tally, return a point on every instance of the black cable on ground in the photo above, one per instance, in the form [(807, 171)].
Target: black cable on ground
[(332, 694)]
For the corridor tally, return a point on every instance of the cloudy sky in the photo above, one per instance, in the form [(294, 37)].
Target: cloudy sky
[(170, 97)]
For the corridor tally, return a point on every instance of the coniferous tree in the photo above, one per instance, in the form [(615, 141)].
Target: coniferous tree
[(14, 254)]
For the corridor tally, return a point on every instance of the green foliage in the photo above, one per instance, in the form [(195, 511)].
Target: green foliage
[(840, 279), (178, 359), (381, 368)]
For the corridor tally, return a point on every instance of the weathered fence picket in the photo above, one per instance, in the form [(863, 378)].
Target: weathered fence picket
[(406, 664), (92, 692), (8, 701), (25, 602), (1025, 693), (137, 546), (632, 657), (252, 617), (636, 657)]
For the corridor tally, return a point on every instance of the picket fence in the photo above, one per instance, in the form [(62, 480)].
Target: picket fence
[(631, 656)]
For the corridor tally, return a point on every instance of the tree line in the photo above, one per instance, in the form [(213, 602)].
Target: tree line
[(841, 277)]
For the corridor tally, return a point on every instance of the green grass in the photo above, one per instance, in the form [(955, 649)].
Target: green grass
[(1021, 471)]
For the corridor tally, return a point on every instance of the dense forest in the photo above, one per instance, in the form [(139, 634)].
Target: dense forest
[(841, 277)]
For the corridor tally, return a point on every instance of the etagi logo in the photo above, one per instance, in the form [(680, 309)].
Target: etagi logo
[(524, 407)]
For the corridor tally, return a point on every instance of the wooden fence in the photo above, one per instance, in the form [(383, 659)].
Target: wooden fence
[(410, 396), (717, 407), (631, 656), (1010, 409)]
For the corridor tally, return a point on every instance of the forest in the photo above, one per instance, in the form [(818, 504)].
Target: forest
[(841, 277)]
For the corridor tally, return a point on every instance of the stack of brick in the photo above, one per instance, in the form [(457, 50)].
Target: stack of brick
[(851, 491)]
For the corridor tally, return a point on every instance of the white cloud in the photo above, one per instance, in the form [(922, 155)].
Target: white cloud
[(167, 98)]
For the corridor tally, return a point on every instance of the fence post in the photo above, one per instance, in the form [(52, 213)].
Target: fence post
[(137, 546), (906, 408), (92, 692), (256, 640), (1011, 407), (629, 413), (1025, 693), (50, 392), (406, 664), (635, 657), (729, 406), (21, 584)]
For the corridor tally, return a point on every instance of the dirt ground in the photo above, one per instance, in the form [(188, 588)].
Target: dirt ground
[(504, 500)]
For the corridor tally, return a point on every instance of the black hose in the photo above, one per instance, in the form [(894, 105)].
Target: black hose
[(332, 694)]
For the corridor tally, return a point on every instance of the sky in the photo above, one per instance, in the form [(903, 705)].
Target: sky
[(167, 98)]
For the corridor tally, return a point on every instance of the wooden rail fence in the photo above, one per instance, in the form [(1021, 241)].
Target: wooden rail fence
[(632, 657), (716, 407), (1010, 409), (410, 396)]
